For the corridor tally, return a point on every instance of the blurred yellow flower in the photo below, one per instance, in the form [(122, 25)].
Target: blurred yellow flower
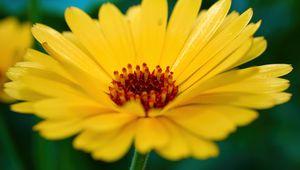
[(15, 38), (169, 86)]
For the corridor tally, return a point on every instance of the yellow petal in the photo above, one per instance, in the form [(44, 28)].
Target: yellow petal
[(221, 40), (89, 34), (281, 98), (274, 70), (133, 108), (223, 79), (255, 101), (154, 14), (22, 69), (254, 85), (258, 47), (49, 87), (23, 42), (177, 148), (72, 38), (117, 147), (7, 55), (238, 86), (91, 140), (184, 144), (8, 25), (48, 62), (19, 91), (239, 116), (118, 34), (95, 87), (134, 18), (204, 122), (11, 42), (108, 121), (256, 75), (226, 37), (68, 108), (25, 37), (203, 32), (208, 64), (154, 112), (179, 27), (74, 60), (55, 88), (201, 148), (67, 52), (228, 20), (217, 64), (23, 107), (230, 60), (150, 134), (54, 129)]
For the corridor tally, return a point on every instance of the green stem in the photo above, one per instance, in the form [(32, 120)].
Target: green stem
[(139, 161)]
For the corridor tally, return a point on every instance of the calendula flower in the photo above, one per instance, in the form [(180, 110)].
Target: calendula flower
[(171, 86), (15, 38)]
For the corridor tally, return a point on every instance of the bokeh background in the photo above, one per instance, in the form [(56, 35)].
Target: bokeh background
[(271, 142)]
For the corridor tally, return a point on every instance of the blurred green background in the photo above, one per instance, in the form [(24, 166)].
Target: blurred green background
[(271, 142)]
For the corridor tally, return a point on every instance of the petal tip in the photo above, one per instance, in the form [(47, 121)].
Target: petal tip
[(249, 12)]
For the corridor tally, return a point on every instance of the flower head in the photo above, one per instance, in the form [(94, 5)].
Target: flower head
[(15, 38), (172, 86)]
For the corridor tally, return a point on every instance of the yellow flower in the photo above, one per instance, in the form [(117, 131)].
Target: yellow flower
[(168, 86), (15, 38)]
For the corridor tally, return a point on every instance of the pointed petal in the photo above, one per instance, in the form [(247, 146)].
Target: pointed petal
[(208, 64), (95, 87), (89, 34), (117, 32), (68, 108), (258, 47), (237, 115), (203, 32), (134, 18), (23, 107), (179, 27), (48, 62), (220, 43), (67, 52), (229, 77), (254, 101), (19, 91), (154, 14)]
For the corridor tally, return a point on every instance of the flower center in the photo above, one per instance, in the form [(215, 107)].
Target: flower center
[(152, 89)]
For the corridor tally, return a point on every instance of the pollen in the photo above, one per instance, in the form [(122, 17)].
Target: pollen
[(152, 89)]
